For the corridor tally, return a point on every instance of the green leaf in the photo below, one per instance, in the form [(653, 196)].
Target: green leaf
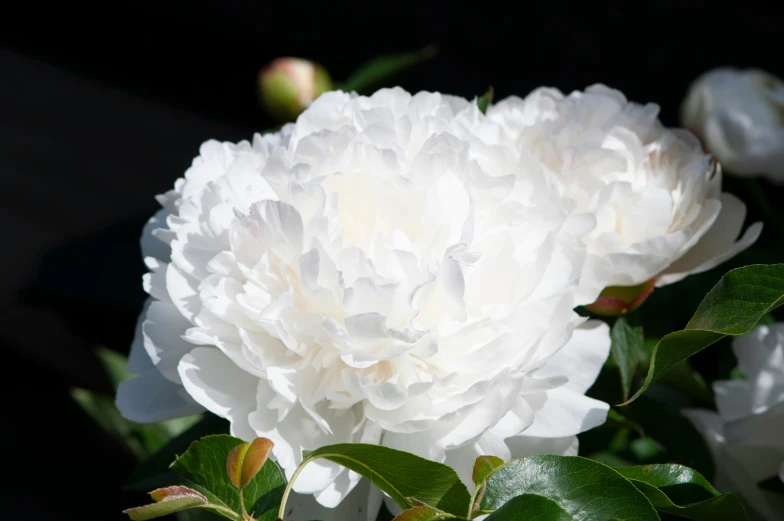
[(660, 483), (626, 348), (586, 490), (204, 467), (423, 513), (155, 472), (733, 307), (483, 466), (485, 100), (530, 507), (401, 475), (375, 72), (167, 501)]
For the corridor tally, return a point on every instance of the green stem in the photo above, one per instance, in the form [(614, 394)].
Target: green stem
[(289, 485), (243, 512), (758, 193), (473, 506)]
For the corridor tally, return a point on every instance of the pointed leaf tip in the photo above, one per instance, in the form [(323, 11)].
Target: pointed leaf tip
[(168, 500), (255, 457), (485, 100), (176, 492), (246, 460), (483, 466)]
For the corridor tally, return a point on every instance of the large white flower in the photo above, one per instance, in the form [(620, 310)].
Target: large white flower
[(739, 115), (656, 197), (746, 434), (383, 271)]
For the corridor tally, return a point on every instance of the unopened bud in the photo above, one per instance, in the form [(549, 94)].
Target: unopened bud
[(288, 85), (620, 300)]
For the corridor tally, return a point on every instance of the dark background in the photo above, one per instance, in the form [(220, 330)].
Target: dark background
[(102, 108)]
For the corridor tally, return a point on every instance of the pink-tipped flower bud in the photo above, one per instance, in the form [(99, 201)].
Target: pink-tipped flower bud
[(619, 300), (288, 85)]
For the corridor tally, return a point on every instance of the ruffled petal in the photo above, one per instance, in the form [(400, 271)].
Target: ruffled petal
[(213, 380), (150, 398)]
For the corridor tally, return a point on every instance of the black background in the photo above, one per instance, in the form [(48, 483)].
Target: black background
[(101, 108)]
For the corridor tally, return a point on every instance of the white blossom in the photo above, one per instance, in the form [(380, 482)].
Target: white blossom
[(655, 195), (738, 115), (384, 271), (745, 435)]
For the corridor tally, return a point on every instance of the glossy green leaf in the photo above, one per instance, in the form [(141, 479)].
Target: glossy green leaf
[(530, 507), (154, 472), (377, 71), (733, 307), (697, 499), (626, 348), (204, 467), (485, 100), (586, 490), (483, 466), (401, 475)]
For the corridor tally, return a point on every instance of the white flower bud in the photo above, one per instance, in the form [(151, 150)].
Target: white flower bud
[(739, 116)]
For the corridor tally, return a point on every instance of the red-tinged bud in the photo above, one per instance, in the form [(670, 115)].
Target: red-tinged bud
[(619, 300), (288, 85)]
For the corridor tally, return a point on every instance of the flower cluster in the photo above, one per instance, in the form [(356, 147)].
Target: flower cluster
[(403, 270)]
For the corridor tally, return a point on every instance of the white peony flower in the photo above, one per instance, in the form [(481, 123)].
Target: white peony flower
[(746, 434), (655, 196), (739, 116), (383, 271)]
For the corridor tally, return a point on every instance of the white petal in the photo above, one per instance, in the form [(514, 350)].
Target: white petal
[(163, 329), (582, 358), (150, 398), (717, 245), (566, 413), (153, 246), (214, 381), (360, 505), (523, 446), (138, 359)]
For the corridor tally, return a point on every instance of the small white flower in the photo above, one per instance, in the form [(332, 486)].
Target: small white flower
[(656, 197), (383, 271), (739, 115), (746, 434)]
